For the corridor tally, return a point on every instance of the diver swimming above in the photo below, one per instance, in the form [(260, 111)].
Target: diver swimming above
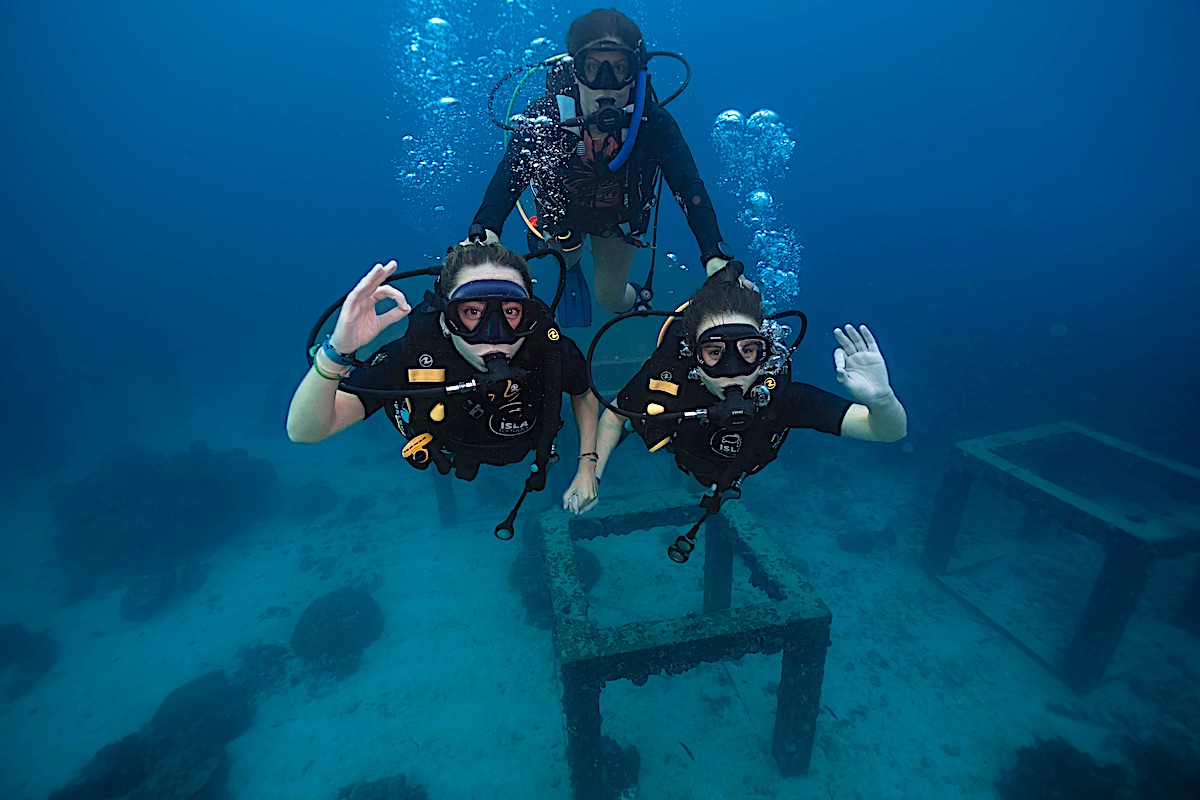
[(717, 392), (476, 378), (593, 150)]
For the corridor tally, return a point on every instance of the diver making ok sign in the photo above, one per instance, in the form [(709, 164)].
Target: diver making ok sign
[(476, 379)]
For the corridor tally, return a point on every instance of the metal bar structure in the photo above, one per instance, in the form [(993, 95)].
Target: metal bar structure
[(793, 621), (1131, 542)]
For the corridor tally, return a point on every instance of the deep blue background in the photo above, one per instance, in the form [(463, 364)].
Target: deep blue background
[(185, 185)]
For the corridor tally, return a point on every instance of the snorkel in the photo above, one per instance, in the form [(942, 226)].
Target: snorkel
[(635, 124)]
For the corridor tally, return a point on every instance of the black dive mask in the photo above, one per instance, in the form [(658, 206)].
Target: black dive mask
[(491, 312), (606, 65), (731, 351)]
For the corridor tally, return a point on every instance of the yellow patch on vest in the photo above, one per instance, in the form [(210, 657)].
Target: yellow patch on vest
[(427, 376), (664, 386)]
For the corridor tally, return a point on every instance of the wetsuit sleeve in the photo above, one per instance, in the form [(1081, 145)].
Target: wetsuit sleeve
[(502, 193), (682, 176), (510, 178), (382, 372), (810, 407), (574, 369)]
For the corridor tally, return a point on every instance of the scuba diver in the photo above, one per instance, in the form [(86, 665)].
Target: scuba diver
[(593, 150), (477, 378), (717, 392)]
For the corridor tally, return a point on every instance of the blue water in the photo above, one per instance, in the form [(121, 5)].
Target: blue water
[(1005, 191)]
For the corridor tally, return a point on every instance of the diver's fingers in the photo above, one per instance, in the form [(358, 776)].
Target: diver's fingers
[(367, 286), (387, 292), (869, 338), (378, 274), (393, 315), (590, 505), (843, 340), (856, 337), (839, 361)]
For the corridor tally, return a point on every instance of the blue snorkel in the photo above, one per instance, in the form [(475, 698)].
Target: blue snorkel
[(639, 105)]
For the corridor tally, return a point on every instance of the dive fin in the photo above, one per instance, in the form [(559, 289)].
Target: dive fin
[(575, 307)]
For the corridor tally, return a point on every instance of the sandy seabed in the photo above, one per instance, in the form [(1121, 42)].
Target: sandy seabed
[(921, 698)]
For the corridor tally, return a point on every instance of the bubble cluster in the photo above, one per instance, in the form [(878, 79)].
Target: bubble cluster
[(754, 152), (540, 162), (443, 64), (426, 60), (444, 61)]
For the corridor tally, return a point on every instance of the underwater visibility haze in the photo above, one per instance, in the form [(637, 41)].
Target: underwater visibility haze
[(1005, 192)]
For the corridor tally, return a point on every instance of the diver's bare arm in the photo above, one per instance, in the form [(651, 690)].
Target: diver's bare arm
[(878, 415), (581, 494), (608, 436), (318, 409), (587, 414), (883, 421)]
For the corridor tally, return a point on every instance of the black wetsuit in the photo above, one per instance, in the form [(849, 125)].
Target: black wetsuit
[(472, 428), (576, 191), (716, 455)]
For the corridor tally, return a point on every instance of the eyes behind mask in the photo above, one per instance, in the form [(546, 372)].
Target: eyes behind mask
[(491, 312), (730, 351)]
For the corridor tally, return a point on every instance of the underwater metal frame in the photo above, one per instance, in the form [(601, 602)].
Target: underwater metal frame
[(1131, 543), (793, 620)]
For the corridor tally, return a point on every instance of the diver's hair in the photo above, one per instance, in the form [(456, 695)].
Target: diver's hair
[(721, 296), (462, 256), (604, 23)]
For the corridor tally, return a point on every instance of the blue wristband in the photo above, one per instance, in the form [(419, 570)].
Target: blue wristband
[(342, 359)]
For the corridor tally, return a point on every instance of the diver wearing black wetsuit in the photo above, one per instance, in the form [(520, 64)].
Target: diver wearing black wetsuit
[(593, 199), (476, 379), (717, 393), (497, 426), (592, 151), (709, 451)]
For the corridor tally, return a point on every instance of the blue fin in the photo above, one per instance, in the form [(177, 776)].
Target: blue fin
[(575, 307)]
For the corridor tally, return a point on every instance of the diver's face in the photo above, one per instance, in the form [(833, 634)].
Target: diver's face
[(470, 312), (718, 385), (593, 63)]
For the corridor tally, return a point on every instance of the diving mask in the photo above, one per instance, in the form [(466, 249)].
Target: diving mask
[(731, 351), (491, 312), (606, 65)]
